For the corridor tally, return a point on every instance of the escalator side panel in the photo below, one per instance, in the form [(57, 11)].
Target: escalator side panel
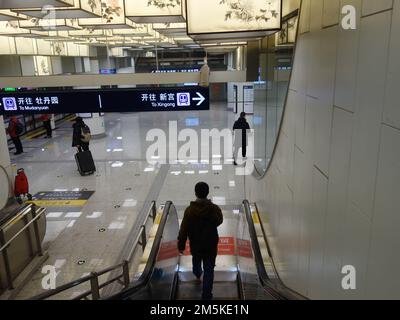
[(158, 280)]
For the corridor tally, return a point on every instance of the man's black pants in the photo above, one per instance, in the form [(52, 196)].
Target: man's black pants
[(208, 278), (47, 126), (18, 144)]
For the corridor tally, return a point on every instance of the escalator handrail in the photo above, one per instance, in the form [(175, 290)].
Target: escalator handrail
[(14, 216), (266, 282), (268, 247), (147, 273), (274, 287)]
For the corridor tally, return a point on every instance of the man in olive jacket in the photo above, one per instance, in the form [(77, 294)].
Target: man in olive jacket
[(199, 224)]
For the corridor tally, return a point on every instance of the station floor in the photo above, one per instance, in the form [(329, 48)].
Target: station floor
[(89, 238)]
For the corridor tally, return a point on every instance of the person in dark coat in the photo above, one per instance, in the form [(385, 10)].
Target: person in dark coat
[(199, 224), (242, 124), (77, 135), (12, 130), (46, 119)]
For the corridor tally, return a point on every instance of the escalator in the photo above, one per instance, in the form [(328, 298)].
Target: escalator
[(248, 273), (22, 230)]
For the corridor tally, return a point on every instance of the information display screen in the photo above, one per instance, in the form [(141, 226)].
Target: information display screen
[(106, 100)]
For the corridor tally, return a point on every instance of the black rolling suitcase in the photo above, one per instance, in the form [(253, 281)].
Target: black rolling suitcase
[(85, 163)]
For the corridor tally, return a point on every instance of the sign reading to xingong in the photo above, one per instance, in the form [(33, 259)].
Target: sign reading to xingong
[(105, 100)]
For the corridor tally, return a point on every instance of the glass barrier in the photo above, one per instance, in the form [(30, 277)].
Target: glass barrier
[(269, 99)]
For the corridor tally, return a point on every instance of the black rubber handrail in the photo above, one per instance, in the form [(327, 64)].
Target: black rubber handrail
[(145, 278), (276, 287)]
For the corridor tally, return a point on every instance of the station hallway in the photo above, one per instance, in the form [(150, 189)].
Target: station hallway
[(124, 184), (317, 218)]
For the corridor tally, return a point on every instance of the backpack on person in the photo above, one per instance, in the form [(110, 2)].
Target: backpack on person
[(86, 134), (19, 128)]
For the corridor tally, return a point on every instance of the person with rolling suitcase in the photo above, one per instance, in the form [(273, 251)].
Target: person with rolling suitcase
[(80, 139), (81, 135)]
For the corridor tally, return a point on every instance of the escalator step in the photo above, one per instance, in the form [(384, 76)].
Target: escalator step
[(221, 291)]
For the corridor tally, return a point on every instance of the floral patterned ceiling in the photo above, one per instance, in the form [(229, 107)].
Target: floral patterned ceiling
[(139, 23)]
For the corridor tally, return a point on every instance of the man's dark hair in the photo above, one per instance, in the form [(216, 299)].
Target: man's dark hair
[(243, 114), (201, 190), (78, 119)]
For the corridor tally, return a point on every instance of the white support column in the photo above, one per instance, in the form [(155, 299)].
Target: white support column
[(28, 66), (52, 122), (5, 168), (96, 122)]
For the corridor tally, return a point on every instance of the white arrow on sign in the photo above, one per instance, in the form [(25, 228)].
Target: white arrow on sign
[(200, 98)]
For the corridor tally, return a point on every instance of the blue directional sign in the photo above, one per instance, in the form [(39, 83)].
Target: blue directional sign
[(105, 100), (108, 71)]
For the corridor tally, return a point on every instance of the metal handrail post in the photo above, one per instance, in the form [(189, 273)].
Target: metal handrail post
[(125, 272), (29, 235), (143, 241), (6, 261), (36, 231), (94, 286), (154, 210), (94, 276)]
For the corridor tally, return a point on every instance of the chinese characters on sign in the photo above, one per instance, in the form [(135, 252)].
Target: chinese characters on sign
[(29, 103), (167, 100), (176, 70), (38, 101)]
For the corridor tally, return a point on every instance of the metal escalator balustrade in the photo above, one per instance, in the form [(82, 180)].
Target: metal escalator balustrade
[(120, 273), (21, 236), (162, 278), (270, 280), (159, 277)]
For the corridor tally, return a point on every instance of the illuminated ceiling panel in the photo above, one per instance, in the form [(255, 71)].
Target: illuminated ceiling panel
[(136, 29), (50, 25), (170, 29), (112, 16), (161, 23), (153, 11), (98, 24), (8, 15), (79, 9), (12, 28), (86, 32), (227, 19), (21, 4)]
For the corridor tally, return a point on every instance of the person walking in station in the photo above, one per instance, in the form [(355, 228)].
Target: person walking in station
[(15, 129), (205, 74), (240, 137), (200, 222), (80, 135), (46, 119)]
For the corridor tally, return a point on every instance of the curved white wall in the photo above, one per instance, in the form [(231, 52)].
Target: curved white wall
[(5, 167), (332, 194)]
